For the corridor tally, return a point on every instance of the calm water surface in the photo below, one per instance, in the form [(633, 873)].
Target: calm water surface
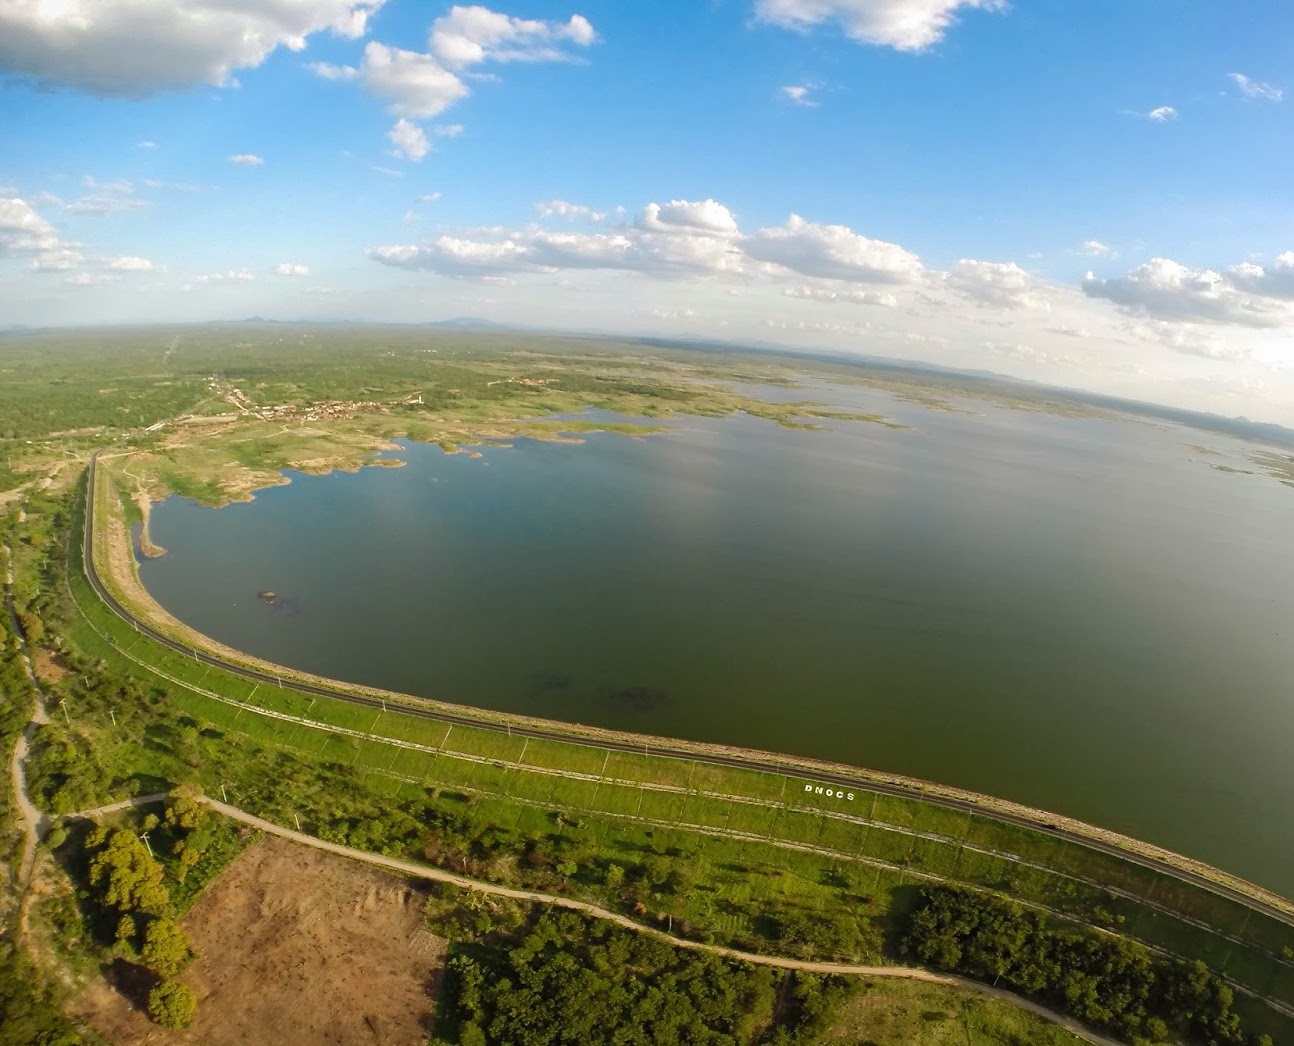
[(1081, 615)]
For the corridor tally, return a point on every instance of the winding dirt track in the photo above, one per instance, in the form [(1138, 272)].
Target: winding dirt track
[(34, 821), (428, 873)]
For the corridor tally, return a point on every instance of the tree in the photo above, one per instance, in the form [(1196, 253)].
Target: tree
[(166, 947), (126, 931), (129, 876), (172, 1004)]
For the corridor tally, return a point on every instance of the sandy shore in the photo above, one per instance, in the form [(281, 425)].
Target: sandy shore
[(147, 546)]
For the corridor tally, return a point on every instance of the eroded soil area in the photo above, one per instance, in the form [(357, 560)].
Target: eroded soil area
[(296, 948)]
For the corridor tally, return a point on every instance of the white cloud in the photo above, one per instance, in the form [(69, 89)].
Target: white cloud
[(573, 211), (1189, 339), (22, 229), (470, 35), (132, 48), (849, 297), (1001, 284), (132, 263), (291, 269), (145, 145), (1275, 281), (798, 94), (1162, 113), (328, 71), (906, 25), (454, 256), (430, 197), (90, 279), (832, 251), (1095, 249), (1167, 290), (232, 276), (706, 217), (114, 197), (677, 237), (418, 86), (59, 259), (415, 85), (246, 160), (1255, 88), (410, 141), (448, 130)]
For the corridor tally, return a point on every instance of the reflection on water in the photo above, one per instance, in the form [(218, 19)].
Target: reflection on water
[(1073, 613)]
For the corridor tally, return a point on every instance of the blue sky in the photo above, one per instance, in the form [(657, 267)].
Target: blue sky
[(1096, 196)]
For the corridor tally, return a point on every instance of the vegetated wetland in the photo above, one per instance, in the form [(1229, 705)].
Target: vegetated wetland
[(1057, 606)]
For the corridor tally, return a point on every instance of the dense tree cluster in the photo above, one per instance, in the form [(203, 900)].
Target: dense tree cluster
[(129, 885), (1106, 981), (584, 982)]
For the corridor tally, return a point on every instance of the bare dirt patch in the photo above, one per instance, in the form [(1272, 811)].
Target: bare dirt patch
[(296, 948), (50, 668)]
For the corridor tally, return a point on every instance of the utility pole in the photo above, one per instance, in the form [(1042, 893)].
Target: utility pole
[(147, 843), (298, 821), (114, 718), (224, 798), (63, 705)]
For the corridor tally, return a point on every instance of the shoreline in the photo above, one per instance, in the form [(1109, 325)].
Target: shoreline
[(147, 547), (128, 588)]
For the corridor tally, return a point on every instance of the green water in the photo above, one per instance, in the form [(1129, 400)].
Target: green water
[(1080, 615)]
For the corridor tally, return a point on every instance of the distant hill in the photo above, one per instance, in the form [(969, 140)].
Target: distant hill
[(472, 323)]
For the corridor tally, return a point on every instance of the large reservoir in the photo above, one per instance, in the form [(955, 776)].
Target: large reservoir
[(1082, 614)]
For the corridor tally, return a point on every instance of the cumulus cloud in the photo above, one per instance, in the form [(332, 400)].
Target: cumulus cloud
[(832, 251), (469, 35), (1274, 281), (672, 238), (798, 94), (1162, 113), (410, 141), (59, 259), (906, 25), (845, 297), (1167, 290), (291, 269), (415, 85), (132, 263), (1001, 284), (246, 160), (1095, 249), (23, 230), (706, 217), (126, 48), (448, 130), (1256, 88), (418, 86)]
